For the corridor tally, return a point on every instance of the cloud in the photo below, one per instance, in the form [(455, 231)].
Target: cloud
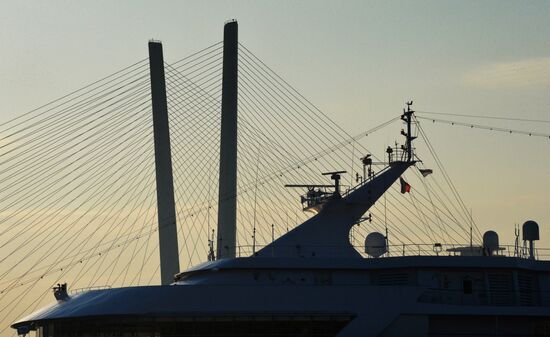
[(533, 72)]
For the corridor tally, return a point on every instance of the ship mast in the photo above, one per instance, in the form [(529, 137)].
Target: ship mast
[(407, 117)]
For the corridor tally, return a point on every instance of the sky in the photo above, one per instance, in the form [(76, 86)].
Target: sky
[(358, 61)]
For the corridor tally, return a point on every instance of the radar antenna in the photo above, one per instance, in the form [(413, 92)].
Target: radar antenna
[(317, 195), (336, 176)]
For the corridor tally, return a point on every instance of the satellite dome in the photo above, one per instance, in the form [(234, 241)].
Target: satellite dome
[(490, 241), (375, 244), (530, 231)]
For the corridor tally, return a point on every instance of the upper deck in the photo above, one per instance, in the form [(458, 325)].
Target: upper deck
[(409, 261)]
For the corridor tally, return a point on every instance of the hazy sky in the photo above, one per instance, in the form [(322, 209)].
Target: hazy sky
[(359, 61)]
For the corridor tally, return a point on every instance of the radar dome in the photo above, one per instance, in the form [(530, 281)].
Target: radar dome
[(530, 231), (375, 244), (490, 241)]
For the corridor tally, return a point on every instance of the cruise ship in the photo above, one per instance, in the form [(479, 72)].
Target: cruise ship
[(311, 281)]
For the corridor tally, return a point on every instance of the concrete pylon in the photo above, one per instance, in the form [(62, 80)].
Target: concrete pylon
[(227, 199), (168, 233)]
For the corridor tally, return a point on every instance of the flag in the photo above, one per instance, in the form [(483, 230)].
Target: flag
[(426, 172), (405, 187)]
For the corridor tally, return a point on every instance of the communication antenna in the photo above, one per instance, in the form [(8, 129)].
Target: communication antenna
[(211, 254), (516, 242), (254, 241), (367, 166), (389, 151), (407, 118)]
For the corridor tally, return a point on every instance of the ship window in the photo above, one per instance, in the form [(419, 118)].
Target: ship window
[(325, 325), (467, 285)]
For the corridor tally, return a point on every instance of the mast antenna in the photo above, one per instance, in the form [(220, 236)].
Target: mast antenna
[(407, 118), (516, 242), (254, 241), (211, 254)]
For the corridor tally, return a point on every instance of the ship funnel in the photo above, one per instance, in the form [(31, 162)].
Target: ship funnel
[(530, 231), (375, 244)]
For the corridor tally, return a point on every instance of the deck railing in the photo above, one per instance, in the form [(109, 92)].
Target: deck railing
[(412, 249), (82, 290)]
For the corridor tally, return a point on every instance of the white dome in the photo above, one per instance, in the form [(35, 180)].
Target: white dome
[(375, 244), (490, 241), (530, 231)]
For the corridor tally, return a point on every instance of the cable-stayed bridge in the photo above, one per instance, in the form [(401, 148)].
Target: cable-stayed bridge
[(78, 199)]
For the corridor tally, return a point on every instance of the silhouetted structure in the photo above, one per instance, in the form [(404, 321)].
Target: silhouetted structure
[(227, 211), (168, 234)]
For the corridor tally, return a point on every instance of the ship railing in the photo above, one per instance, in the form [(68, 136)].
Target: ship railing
[(398, 154), (399, 157), (83, 290), (446, 249), (410, 249), (363, 181), (485, 297)]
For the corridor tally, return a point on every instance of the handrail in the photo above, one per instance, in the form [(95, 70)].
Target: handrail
[(364, 181), (82, 290), (410, 249)]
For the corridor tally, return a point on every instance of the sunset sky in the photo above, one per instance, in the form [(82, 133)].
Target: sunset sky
[(358, 61)]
